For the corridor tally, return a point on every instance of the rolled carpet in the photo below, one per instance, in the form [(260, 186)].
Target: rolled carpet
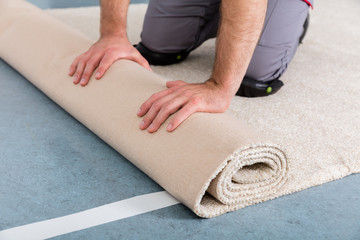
[(213, 163)]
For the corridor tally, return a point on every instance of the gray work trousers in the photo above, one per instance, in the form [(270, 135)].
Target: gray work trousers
[(171, 26)]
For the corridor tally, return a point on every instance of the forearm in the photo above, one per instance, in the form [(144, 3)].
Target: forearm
[(113, 17), (240, 27)]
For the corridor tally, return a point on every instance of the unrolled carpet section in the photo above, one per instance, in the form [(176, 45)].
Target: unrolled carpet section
[(213, 163), (315, 116)]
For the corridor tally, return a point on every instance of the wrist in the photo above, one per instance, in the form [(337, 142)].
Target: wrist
[(114, 37), (227, 88), (225, 92), (121, 34)]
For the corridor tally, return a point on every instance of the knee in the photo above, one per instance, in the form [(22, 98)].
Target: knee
[(168, 28), (179, 25), (269, 63)]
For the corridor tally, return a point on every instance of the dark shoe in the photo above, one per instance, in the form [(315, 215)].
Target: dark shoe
[(305, 27), (163, 59), (253, 88)]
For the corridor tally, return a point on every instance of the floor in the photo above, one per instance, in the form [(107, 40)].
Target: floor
[(51, 165)]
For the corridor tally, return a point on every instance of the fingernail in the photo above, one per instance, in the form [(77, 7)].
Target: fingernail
[(97, 75), (151, 127), (142, 124), (169, 127), (82, 80), (138, 113), (75, 79)]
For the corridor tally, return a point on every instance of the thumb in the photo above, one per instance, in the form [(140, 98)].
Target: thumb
[(138, 58)]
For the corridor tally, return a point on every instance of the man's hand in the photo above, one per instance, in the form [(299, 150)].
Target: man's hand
[(101, 55), (240, 28), (184, 99)]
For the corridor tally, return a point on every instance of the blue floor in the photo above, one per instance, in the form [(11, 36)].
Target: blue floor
[(51, 165)]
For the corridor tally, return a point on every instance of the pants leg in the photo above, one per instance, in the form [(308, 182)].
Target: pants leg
[(171, 26), (279, 39), (182, 25)]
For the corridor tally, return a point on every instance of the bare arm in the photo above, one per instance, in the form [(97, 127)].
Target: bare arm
[(240, 28), (113, 18), (112, 45)]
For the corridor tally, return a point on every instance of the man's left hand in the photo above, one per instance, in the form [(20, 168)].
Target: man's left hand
[(183, 99)]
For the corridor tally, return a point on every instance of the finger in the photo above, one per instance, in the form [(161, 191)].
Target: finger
[(89, 69), (181, 116), (104, 65), (166, 110), (137, 57), (79, 71), (73, 66), (170, 84), (154, 110), (144, 108)]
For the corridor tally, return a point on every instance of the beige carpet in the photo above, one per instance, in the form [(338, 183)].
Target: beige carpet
[(313, 117)]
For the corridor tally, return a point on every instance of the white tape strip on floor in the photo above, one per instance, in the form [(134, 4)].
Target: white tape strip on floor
[(90, 218)]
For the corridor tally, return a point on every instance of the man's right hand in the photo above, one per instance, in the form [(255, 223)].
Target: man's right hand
[(101, 55)]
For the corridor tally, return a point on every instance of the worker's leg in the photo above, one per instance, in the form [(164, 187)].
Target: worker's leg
[(284, 24), (177, 27), (279, 39)]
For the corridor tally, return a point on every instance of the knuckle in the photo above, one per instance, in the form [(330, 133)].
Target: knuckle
[(148, 122), (88, 52), (108, 54), (93, 47), (156, 123), (145, 109), (78, 72), (156, 105), (86, 75), (175, 121), (170, 90), (91, 63), (84, 57), (144, 106), (92, 60), (188, 93), (77, 59), (82, 63), (111, 52), (154, 96), (195, 100), (72, 66), (101, 69), (166, 108), (103, 65)]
